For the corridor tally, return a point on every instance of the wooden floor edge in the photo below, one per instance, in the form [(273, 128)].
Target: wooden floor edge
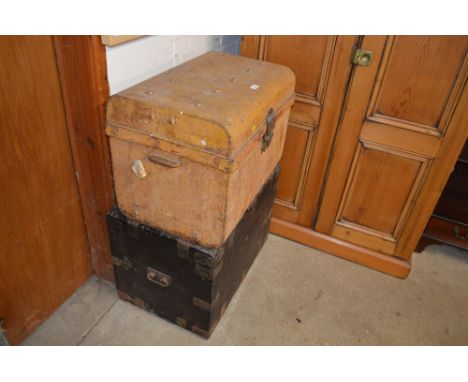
[(390, 265)]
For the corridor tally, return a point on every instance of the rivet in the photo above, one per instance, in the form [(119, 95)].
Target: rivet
[(234, 79), (217, 91), (198, 104), (172, 80), (150, 92), (172, 120), (249, 70)]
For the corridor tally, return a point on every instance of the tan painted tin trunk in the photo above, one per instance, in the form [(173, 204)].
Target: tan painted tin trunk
[(192, 147)]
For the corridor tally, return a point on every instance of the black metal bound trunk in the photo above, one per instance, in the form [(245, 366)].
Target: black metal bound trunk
[(180, 281)]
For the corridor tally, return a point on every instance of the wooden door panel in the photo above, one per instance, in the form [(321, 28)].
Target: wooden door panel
[(250, 46), (305, 113), (305, 55), (390, 136), (381, 187), (44, 251), (404, 89), (321, 65), (348, 134), (386, 135), (309, 57), (292, 164), (414, 89)]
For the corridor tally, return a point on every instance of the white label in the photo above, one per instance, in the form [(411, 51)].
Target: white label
[(139, 169)]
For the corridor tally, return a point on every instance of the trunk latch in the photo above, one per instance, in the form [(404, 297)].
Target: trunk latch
[(270, 122)]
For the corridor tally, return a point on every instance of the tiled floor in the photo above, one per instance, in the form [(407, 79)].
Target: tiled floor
[(292, 295)]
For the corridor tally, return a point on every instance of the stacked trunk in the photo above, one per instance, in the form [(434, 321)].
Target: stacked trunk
[(194, 152)]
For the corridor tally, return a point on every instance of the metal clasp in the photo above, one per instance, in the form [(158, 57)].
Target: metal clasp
[(270, 122)]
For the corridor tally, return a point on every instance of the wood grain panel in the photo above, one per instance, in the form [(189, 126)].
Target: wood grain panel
[(359, 92), (82, 67), (310, 58), (403, 130), (112, 40), (379, 189), (356, 234), (305, 55), (420, 75), (305, 113), (403, 139), (407, 135), (292, 164), (441, 167), (318, 112), (250, 45), (43, 247), (322, 68)]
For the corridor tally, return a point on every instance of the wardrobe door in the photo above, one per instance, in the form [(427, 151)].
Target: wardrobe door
[(403, 125), (44, 248), (322, 67)]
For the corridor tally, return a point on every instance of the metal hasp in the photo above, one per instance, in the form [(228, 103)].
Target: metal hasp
[(270, 122), (3, 335), (362, 57)]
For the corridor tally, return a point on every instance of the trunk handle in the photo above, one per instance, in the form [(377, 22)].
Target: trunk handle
[(165, 160), (157, 277)]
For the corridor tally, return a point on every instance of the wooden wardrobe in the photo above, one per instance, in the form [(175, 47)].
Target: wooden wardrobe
[(375, 131)]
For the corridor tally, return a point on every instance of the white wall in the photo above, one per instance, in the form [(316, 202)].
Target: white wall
[(137, 60)]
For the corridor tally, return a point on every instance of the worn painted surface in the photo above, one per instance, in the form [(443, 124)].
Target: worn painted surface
[(206, 116), (213, 103)]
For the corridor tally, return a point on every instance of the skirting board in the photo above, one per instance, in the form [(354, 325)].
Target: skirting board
[(387, 264)]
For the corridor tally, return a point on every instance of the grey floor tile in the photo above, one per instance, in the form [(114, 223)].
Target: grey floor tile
[(292, 295), (75, 318), (296, 295)]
